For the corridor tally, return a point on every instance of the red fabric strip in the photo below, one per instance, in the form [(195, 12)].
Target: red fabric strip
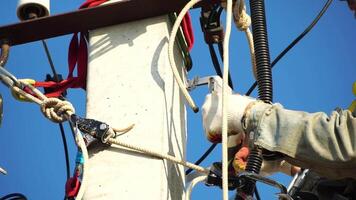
[(78, 56)]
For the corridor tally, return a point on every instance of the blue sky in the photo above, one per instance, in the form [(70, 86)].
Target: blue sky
[(316, 75)]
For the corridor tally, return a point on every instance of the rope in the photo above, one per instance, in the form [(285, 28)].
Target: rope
[(188, 192), (243, 21), (158, 155), (225, 100), (172, 38), (55, 110), (80, 142)]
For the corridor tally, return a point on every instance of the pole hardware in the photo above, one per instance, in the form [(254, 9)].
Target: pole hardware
[(215, 179), (95, 128), (211, 26), (5, 49), (214, 83)]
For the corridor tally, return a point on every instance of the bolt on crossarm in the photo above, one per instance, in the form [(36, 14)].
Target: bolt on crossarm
[(5, 49)]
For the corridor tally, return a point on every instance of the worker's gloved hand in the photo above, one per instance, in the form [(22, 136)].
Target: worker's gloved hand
[(268, 168), (212, 116), (212, 122)]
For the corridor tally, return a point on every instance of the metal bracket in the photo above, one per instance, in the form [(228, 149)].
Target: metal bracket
[(215, 83)]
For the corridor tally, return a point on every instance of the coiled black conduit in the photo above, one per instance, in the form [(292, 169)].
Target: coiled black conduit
[(264, 81), (264, 72)]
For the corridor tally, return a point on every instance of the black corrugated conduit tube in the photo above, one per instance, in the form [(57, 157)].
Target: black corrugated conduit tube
[(264, 72), (264, 81)]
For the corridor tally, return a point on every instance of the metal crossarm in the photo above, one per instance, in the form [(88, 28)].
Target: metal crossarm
[(87, 19)]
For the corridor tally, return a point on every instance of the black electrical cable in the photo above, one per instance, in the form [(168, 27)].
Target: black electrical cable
[(257, 194), (49, 57), (215, 13), (61, 128), (295, 41), (202, 158), (14, 196)]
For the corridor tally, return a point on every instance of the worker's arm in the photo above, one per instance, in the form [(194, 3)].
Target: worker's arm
[(326, 144)]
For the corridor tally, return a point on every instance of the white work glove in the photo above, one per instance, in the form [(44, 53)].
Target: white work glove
[(212, 115), (212, 122)]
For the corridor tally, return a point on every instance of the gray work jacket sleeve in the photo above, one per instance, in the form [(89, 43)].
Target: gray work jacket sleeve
[(326, 144)]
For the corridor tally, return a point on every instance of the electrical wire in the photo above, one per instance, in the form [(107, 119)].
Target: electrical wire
[(218, 71), (49, 57), (275, 61), (172, 37), (216, 64), (207, 152), (257, 194), (61, 128), (14, 196), (215, 13), (295, 41)]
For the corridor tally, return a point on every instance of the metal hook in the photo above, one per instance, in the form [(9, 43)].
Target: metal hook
[(256, 177)]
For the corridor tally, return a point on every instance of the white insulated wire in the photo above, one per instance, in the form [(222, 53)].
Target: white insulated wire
[(225, 100), (188, 191), (172, 38)]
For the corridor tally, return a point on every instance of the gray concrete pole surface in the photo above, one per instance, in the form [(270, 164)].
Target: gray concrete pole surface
[(130, 82)]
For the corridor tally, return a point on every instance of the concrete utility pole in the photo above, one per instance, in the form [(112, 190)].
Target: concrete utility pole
[(130, 82)]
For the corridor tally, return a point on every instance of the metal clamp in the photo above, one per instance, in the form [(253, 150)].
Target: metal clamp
[(238, 182), (215, 178), (283, 195), (211, 26), (214, 83), (95, 128)]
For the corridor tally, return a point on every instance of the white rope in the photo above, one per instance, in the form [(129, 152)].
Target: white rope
[(225, 100), (57, 111), (158, 155), (188, 191), (80, 142), (54, 109), (172, 38), (243, 21)]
